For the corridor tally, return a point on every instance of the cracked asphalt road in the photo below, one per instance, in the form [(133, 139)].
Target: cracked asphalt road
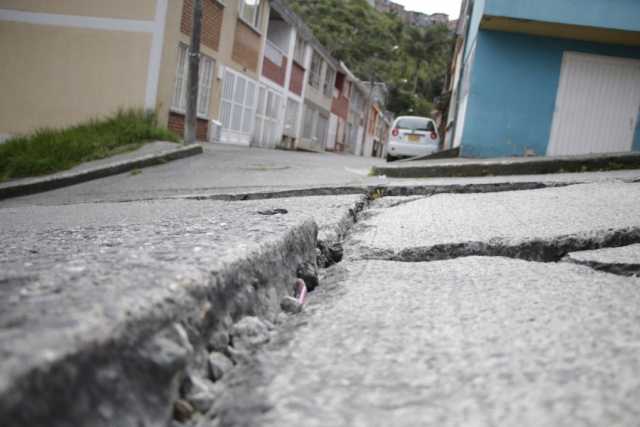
[(468, 341), (408, 330)]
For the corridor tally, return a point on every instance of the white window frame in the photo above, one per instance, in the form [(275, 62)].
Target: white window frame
[(205, 83), (252, 21), (315, 70)]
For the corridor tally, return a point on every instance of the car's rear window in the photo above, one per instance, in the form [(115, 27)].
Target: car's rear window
[(415, 123)]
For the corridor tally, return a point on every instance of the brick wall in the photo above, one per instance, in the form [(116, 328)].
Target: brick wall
[(246, 47), (176, 125), (274, 72), (212, 13), (297, 79), (340, 107)]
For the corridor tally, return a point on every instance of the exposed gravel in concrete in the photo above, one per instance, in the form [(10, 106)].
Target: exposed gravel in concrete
[(624, 260), (87, 292), (449, 225), (472, 341)]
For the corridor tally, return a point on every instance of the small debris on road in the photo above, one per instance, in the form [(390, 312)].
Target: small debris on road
[(182, 411), (204, 394), (219, 342), (271, 212), (249, 333), (219, 364), (290, 305)]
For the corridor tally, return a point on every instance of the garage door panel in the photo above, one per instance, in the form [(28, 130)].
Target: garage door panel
[(597, 105)]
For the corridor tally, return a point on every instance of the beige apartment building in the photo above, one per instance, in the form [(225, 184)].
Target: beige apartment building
[(265, 80), (67, 61)]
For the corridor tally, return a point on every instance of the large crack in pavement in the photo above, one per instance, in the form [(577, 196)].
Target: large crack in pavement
[(436, 335), (540, 250)]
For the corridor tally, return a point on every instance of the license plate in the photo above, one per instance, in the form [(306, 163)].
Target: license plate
[(414, 138)]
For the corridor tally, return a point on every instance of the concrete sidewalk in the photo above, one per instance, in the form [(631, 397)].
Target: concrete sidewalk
[(463, 167), (155, 153)]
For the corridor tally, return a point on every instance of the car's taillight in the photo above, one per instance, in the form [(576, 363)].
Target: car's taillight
[(434, 135), (395, 132)]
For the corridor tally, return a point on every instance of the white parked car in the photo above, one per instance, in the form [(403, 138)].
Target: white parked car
[(411, 137)]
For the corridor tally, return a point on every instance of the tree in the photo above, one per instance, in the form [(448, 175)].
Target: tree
[(363, 38)]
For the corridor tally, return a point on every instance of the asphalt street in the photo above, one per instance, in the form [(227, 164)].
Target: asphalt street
[(492, 308), (226, 169)]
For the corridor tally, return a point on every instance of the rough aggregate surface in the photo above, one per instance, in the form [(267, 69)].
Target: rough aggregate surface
[(472, 341), (500, 219), (466, 341)]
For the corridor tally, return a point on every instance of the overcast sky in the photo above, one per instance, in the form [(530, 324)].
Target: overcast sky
[(450, 7)]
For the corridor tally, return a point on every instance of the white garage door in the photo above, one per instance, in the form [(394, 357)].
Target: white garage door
[(597, 106)]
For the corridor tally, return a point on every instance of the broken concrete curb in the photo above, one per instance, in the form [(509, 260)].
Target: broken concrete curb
[(132, 370), (533, 166), (39, 185)]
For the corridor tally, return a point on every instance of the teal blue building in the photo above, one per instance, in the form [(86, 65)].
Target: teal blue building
[(546, 77)]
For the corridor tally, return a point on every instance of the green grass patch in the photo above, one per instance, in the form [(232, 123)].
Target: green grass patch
[(53, 150)]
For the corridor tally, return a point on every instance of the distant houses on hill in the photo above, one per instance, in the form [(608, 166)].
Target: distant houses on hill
[(417, 19)]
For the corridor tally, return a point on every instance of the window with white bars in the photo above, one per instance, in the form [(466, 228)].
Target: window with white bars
[(205, 82), (315, 72), (238, 107), (329, 82)]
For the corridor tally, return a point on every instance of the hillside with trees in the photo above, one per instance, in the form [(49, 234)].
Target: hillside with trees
[(411, 61)]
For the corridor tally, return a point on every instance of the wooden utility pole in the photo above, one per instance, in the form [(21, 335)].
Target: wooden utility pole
[(193, 73)]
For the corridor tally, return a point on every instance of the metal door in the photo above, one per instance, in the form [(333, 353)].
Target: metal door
[(268, 117), (597, 105)]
